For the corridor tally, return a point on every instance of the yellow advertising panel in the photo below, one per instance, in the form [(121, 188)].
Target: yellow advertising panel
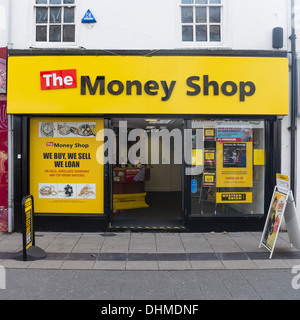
[(283, 183), (282, 177), (234, 156), (259, 157), (197, 157), (148, 85), (239, 172), (274, 219), (28, 208), (65, 176), (209, 179)]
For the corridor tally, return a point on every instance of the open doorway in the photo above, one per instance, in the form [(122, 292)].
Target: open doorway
[(147, 176)]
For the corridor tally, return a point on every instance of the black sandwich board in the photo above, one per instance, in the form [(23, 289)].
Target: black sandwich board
[(30, 251)]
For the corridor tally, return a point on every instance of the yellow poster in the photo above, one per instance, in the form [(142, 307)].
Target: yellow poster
[(234, 157), (274, 219), (209, 179), (65, 176), (197, 157), (259, 157), (28, 206)]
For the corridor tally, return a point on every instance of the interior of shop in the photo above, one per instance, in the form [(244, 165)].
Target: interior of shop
[(145, 193)]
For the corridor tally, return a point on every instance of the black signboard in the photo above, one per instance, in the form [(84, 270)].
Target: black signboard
[(30, 250)]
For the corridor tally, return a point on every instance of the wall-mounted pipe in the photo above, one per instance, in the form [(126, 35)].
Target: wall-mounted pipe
[(294, 102)]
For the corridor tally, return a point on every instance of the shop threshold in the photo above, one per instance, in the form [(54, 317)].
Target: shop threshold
[(147, 228)]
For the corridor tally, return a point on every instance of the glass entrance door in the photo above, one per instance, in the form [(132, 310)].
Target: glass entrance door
[(146, 176)]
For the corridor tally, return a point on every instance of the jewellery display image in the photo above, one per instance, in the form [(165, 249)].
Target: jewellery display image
[(67, 129), (86, 130), (64, 129), (48, 191), (67, 190), (47, 129), (86, 191)]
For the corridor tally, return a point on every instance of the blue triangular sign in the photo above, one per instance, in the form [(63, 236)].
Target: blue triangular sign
[(88, 17)]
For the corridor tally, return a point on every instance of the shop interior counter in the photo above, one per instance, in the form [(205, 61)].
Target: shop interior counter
[(130, 180)]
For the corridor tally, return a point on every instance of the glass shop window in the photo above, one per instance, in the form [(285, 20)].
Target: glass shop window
[(230, 175)]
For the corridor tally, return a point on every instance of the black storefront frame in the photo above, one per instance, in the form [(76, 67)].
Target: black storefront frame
[(90, 223)]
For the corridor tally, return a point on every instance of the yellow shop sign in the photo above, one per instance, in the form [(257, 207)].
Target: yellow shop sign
[(141, 85)]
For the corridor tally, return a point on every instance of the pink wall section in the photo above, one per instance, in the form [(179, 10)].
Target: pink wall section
[(3, 143), (3, 166)]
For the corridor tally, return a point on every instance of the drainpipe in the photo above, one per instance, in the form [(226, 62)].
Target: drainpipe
[(10, 222), (10, 215), (294, 102)]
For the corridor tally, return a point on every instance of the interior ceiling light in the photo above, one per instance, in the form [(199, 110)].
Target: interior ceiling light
[(161, 121)]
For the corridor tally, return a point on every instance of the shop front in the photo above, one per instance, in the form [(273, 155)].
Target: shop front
[(146, 143)]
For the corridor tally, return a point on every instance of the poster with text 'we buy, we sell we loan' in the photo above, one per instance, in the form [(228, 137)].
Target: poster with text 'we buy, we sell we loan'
[(65, 174)]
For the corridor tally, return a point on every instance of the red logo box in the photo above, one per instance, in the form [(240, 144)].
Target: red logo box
[(58, 79)]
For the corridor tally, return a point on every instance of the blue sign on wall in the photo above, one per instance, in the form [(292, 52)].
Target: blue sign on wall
[(88, 17)]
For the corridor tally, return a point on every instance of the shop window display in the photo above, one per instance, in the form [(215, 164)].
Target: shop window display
[(231, 179)]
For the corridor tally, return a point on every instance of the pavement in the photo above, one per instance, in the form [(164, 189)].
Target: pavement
[(150, 265)]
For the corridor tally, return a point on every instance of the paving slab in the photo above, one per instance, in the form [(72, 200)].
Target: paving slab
[(152, 250)]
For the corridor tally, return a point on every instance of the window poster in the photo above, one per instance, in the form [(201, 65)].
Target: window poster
[(209, 156), (209, 179), (65, 176), (234, 156), (209, 133), (3, 59)]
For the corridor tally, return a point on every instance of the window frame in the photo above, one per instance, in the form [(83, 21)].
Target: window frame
[(224, 25), (48, 23)]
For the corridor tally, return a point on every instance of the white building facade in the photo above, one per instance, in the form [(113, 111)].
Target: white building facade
[(213, 69)]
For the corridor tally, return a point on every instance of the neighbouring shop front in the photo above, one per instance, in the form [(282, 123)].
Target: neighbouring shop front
[(3, 144), (145, 143)]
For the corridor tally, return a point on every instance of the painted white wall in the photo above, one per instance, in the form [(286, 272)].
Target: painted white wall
[(155, 24), (253, 22), (132, 24), (297, 23), (163, 177), (3, 23)]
